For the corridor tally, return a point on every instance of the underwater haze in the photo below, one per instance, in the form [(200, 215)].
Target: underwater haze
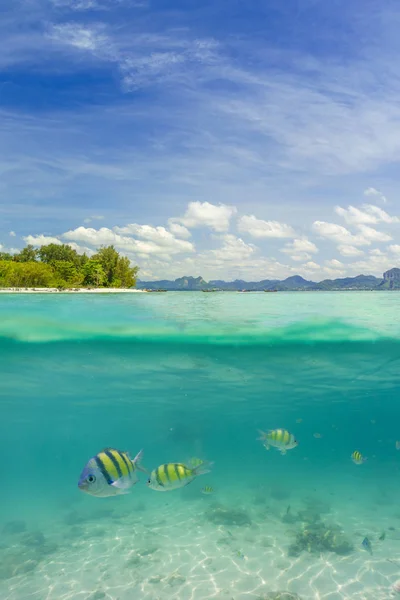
[(188, 376)]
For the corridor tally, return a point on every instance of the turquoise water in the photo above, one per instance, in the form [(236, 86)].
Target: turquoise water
[(186, 375)]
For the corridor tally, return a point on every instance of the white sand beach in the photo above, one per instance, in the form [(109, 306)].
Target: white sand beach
[(70, 291)]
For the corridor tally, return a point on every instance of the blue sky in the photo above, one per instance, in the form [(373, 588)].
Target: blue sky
[(223, 139)]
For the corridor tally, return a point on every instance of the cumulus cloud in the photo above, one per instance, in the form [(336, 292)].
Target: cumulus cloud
[(300, 249), (259, 228), (41, 240), (12, 234), (155, 240), (204, 214), (369, 234), (334, 264), (342, 236), (368, 214), (178, 230), (349, 250), (159, 235)]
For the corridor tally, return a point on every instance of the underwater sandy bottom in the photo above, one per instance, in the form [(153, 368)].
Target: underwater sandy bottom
[(188, 547)]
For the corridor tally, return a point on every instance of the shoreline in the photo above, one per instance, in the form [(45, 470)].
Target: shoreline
[(15, 290)]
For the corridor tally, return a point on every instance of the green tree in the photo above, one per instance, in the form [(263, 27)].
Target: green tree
[(26, 274), (125, 275), (68, 272), (58, 252), (6, 256), (27, 254), (117, 269), (93, 273)]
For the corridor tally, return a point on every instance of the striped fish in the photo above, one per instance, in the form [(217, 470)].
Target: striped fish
[(357, 458), (207, 490), (278, 438), (110, 473), (172, 476)]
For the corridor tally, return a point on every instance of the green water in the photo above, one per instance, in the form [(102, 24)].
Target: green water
[(192, 374)]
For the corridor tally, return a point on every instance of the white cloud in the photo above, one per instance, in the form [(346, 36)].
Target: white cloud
[(300, 249), (204, 214), (178, 230), (369, 234), (343, 237), (41, 240), (12, 234), (159, 235), (83, 38), (93, 218), (233, 249), (337, 233), (370, 215), (394, 248), (374, 192), (156, 240), (264, 229), (311, 265), (334, 264), (349, 250)]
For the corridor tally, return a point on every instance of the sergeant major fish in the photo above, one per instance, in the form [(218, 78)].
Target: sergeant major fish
[(207, 490), (357, 458), (278, 438), (172, 476), (110, 473)]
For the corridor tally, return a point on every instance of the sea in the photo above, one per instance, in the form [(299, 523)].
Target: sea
[(191, 377)]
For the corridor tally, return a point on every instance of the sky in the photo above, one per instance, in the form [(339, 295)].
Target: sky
[(219, 138)]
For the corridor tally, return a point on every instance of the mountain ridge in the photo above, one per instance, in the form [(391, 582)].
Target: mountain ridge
[(389, 280)]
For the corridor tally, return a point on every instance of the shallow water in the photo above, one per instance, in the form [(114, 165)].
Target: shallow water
[(192, 374)]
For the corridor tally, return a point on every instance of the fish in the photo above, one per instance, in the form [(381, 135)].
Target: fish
[(318, 436), (288, 509), (111, 472), (278, 438), (366, 544), (195, 462), (207, 490), (239, 554), (382, 536), (357, 458), (397, 445), (173, 476)]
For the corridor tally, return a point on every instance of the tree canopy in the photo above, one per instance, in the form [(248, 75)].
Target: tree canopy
[(59, 265)]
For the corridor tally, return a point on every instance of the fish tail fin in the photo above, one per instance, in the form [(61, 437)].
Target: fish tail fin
[(262, 434), (137, 463), (205, 467)]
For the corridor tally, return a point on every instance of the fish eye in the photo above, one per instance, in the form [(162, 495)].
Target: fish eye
[(91, 479)]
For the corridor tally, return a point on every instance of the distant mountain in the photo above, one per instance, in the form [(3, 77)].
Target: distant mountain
[(391, 280), (361, 282), (181, 284)]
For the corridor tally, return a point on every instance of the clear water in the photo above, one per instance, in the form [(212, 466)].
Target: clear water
[(193, 374)]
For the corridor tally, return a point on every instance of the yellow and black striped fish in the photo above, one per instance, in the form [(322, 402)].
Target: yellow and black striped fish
[(109, 473), (172, 476), (278, 438), (207, 490), (357, 458)]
